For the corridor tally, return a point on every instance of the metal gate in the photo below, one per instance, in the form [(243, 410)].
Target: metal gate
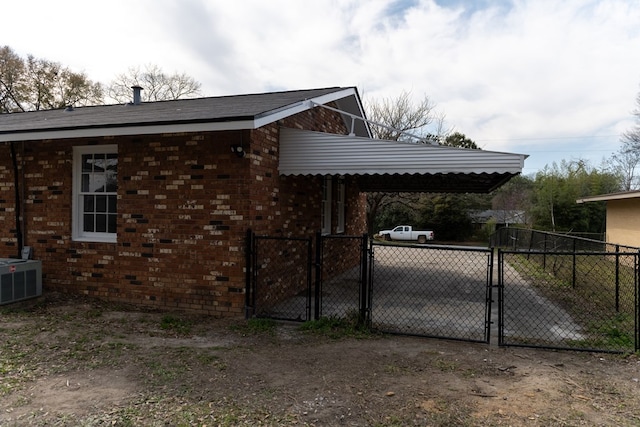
[(579, 300), (435, 291), (288, 280), (279, 277)]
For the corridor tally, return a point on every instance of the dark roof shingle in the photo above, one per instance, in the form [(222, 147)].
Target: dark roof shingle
[(213, 109)]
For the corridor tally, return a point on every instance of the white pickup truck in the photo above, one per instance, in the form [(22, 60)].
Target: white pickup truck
[(406, 232)]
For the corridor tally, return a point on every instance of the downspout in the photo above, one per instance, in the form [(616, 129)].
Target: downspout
[(18, 202)]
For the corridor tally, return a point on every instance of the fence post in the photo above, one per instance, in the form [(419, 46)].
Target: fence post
[(617, 278), (637, 300), (318, 264), (500, 298), (248, 273), (364, 306), (573, 279)]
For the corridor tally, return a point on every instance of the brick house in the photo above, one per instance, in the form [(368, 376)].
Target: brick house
[(149, 203)]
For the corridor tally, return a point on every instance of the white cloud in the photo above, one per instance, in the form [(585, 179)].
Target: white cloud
[(512, 75)]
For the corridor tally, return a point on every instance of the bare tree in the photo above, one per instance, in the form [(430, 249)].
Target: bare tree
[(624, 165), (11, 81), (400, 119), (626, 161), (36, 84), (631, 138), (157, 85)]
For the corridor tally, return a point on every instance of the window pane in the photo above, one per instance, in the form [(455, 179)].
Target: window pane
[(111, 226), (88, 223), (87, 163), (85, 183), (111, 182), (112, 201), (99, 164), (89, 203), (112, 162), (101, 203), (97, 183), (101, 223)]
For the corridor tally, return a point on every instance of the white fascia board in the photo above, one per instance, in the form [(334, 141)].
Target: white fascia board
[(290, 110), (613, 196), (127, 130)]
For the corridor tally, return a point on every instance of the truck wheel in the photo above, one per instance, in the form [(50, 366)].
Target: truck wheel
[(387, 237), (422, 239)]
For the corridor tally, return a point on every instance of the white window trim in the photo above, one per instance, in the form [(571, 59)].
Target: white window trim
[(77, 234), (326, 205), (341, 206)]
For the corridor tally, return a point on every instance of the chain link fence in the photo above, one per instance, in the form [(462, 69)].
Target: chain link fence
[(343, 284), (435, 291), (578, 300), (281, 282), (519, 239)]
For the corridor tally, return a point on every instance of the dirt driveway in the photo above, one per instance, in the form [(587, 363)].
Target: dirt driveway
[(75, 362)]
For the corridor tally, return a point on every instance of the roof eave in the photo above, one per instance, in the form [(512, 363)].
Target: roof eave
[(137, 129), (612, 196)]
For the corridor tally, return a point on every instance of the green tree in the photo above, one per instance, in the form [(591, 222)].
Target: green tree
[(515, 195), (556, 190), (447, 215), (457, 139)]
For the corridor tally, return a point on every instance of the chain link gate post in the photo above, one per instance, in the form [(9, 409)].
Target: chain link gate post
[(364, 318), (249, 247), (500, 298)]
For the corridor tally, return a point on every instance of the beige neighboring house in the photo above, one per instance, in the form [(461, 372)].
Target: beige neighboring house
[(623, 216)]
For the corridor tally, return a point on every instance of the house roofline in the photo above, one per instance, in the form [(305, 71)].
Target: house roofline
[(136, 129), (239, 122), (623, 195)]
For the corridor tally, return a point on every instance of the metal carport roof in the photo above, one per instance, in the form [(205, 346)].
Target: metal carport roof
[(394, 166)]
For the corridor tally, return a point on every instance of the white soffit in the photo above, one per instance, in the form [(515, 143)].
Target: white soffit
[(312, 153)]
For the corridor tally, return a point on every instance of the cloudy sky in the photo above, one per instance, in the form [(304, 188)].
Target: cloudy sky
[(552, 79)]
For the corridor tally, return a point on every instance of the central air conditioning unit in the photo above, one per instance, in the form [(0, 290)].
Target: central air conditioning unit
[(20, 279)]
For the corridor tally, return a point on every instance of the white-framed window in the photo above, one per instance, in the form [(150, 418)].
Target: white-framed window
[(95, 193), (340, 205), (326, 206)]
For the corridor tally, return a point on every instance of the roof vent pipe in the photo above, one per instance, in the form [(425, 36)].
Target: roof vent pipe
[(136, 95)]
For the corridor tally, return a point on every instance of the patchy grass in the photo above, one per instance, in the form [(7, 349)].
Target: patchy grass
[(76, 363), (337, 327), (585, 287), (175, 324)]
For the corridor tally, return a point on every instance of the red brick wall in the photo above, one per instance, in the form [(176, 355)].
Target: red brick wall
[(8, 241), (185, 202)]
